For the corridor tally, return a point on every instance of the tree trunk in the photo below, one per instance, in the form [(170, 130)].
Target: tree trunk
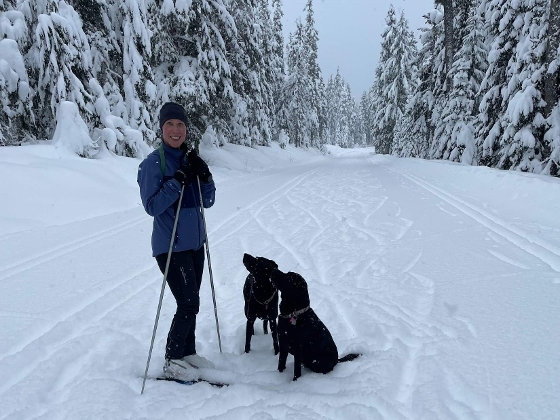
[(448, 16), (552, 80)]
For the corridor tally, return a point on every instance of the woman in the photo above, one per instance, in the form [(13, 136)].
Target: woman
[(161, 176)]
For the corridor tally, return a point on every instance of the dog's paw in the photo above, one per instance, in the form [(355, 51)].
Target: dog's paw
[(281, 368)]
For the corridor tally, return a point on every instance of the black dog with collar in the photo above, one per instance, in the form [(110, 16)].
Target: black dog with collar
[(300, 331), (261, 300)]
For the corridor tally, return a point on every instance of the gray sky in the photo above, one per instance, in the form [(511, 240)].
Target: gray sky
[(350, 33)]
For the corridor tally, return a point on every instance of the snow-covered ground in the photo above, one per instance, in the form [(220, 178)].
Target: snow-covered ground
[(445, 277)]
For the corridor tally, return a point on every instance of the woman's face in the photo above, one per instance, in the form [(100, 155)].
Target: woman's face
[(174, 133)]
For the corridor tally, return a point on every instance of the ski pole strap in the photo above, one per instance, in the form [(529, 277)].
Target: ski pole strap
[(161, 159)]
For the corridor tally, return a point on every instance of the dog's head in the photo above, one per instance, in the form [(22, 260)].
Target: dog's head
[(261, 268), (294, 291)]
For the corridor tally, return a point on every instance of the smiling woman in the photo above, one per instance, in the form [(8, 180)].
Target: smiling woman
[(168, 181), (173, 123)]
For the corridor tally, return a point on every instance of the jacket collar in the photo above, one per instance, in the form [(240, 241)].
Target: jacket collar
[(177, 153)]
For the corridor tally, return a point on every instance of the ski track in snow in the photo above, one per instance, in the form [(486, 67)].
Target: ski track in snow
[(60, 250), (546, 252), (360, 247), (15, 268)]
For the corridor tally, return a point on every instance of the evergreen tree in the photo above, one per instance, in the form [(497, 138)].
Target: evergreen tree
[(268, 70), (333, 96), (248, 78), (138, 79), (322, 113), (314, 72), (109, 114), (278, 68), (295, 87), (357, 130), (366, 114), (60, 61), (343, 118), (383, 119), (521, 145), (394, 75), (463, 12), (417, 129), (299, 90), (344, 135), (511, 123), (552, 91), (16, 115), (454, 135), (189, 60)]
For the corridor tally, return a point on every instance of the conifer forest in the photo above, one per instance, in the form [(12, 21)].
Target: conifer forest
[(478, 84)]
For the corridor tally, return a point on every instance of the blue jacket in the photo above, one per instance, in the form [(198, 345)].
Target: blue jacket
[(160, 195)]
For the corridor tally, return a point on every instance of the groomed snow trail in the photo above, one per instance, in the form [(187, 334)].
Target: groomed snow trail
[(452, 302)]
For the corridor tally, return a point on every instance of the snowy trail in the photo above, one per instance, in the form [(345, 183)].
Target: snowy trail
[(422, 278)]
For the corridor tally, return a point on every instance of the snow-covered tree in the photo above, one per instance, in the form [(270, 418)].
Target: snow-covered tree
[(344, 120), (314, 72), (521, 145), (417, 130), (60, 61), (268, 72), (299, 90), (278, 68), (454, 135), (366, 113), (71, 131), (190, 63), (295, 89), (511, 122), (357, 127), (322, 113), (246, 62), (138, 80), (102, 23), (394, 75), (251, 62), (552, 91), (16, 115)]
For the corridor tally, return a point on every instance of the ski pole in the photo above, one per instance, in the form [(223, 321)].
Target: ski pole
[(209, 266), (163, 287)]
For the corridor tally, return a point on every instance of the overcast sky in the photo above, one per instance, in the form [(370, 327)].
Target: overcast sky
[(350, 33)]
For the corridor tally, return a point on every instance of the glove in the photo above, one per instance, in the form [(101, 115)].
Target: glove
[(184, 175), (199, 167)]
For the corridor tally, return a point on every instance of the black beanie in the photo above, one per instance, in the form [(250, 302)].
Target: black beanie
[(170, 111)]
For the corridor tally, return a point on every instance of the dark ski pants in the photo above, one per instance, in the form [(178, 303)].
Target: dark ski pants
[(184, 278)]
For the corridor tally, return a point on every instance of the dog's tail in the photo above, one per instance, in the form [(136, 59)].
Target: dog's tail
[(349, 357)]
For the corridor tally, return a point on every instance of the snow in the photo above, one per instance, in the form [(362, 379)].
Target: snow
[(444, 276), (71, 131)]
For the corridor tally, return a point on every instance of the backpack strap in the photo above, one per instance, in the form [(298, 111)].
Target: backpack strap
[(161, 159)]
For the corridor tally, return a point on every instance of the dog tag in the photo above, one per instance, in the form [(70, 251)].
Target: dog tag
[(293, 321)]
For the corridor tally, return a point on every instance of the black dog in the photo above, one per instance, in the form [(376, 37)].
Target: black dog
[(300, 331), (261, 300)]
